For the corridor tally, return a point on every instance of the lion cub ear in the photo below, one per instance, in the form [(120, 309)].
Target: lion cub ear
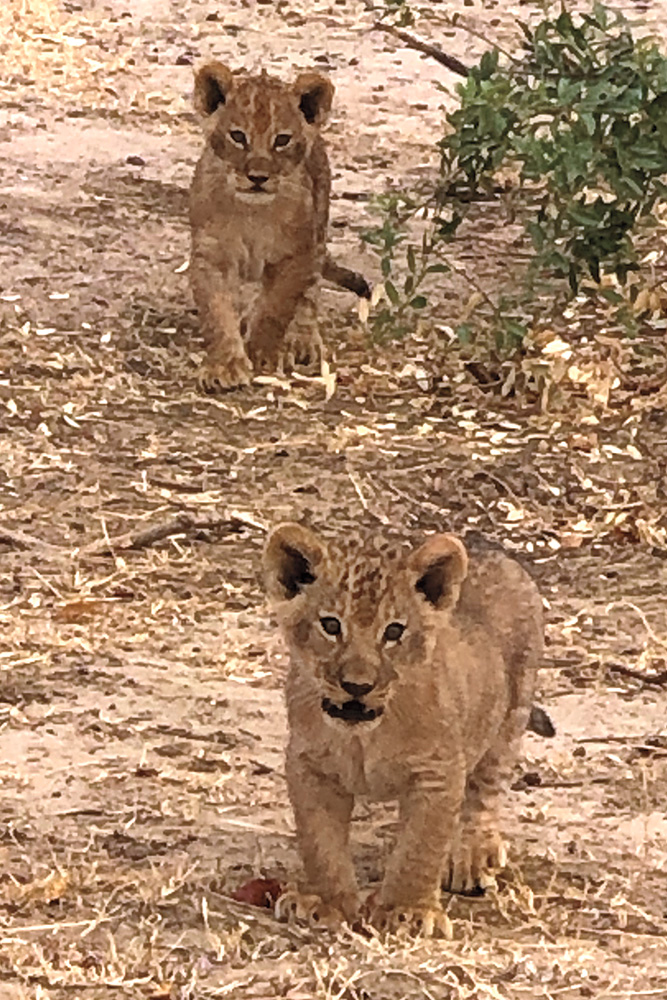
[(213, 81), (440, 566), (315, 93), (291, 556)]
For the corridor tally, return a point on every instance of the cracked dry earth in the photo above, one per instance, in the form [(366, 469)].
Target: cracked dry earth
[(141, 716)]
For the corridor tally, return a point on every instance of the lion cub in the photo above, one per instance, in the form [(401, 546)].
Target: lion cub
[(411, 678), (259, 207)]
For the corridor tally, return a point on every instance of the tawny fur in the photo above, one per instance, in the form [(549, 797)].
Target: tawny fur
[(451, 697), (259, 206)]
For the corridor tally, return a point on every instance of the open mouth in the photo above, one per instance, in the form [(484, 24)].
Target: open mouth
[(253, 192), (350, 711)]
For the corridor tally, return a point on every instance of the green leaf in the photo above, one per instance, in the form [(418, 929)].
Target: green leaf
[(537, 234), (610, 295), (392, 293), (573, 278), (419, 302), (488, 64), (594, 268)]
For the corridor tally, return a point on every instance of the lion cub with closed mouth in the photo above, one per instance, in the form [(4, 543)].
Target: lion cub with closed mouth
[(259, 208), (411, 678)]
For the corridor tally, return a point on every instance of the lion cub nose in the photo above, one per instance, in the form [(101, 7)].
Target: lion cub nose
[(258, 179), (356, 690)]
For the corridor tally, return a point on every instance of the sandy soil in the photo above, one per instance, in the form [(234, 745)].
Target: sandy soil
[(141, 715)]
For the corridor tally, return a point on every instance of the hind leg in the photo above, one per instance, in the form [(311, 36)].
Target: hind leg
[(303, 345), (281, 304), (479, 850)]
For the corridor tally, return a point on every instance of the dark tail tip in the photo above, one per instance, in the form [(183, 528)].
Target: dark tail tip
[(358, 284), (344, 277), (540, 723)]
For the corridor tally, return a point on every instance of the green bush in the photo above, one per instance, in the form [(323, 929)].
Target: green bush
[(580, 114)]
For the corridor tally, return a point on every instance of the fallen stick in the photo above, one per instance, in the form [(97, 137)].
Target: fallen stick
[(19, 540), (451, 62), (659, 678), (183, 523)]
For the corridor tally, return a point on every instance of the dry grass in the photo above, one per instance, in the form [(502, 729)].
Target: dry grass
[(87, 61)]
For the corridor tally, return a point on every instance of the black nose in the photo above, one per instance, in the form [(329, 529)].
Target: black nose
[(356, 690), (258, 179)]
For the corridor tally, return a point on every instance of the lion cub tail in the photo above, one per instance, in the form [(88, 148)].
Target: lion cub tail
[(344, 277)]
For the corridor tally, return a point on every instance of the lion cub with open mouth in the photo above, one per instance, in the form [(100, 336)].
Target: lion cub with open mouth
[(411, 678), (259, 208)]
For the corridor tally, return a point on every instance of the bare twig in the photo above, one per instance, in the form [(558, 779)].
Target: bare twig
[(456, 21), (644, 620), (14, 933), (183, 523), (20, 540), (451, 62), (659, 679), (354, 479)]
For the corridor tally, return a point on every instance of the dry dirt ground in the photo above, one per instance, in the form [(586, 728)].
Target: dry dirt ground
[(141, 716)]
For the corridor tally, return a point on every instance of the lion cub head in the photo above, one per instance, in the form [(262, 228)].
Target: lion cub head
[(260, 127), (361, 616)]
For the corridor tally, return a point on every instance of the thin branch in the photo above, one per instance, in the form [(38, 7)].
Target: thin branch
[(644, 620), (659, 679), (20, 540), (182, 524), (456, 21), (451, 62), (13, 933)]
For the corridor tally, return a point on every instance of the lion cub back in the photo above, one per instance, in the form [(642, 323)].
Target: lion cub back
[(500, 599)]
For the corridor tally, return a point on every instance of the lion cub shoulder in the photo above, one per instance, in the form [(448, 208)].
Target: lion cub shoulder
[(412, 675)]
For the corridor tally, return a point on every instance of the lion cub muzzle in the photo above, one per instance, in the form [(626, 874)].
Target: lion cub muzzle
[(352, 712), (257, 179), (355, 710)]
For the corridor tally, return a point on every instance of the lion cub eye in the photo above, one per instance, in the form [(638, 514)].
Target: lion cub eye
[(239, 137), (330, 625), (282, 140), (393, 632)]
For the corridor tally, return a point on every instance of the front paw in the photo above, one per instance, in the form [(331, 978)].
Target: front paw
[(429, 921), (311, 909), (473, 862), (217, 376)]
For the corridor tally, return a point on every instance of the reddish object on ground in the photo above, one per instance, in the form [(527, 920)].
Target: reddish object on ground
[(258, 892)]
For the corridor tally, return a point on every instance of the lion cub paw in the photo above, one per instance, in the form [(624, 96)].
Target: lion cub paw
[(308, 908), (473, 862), (216, 376), (302, 348), (264, 352), (423, 921)]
